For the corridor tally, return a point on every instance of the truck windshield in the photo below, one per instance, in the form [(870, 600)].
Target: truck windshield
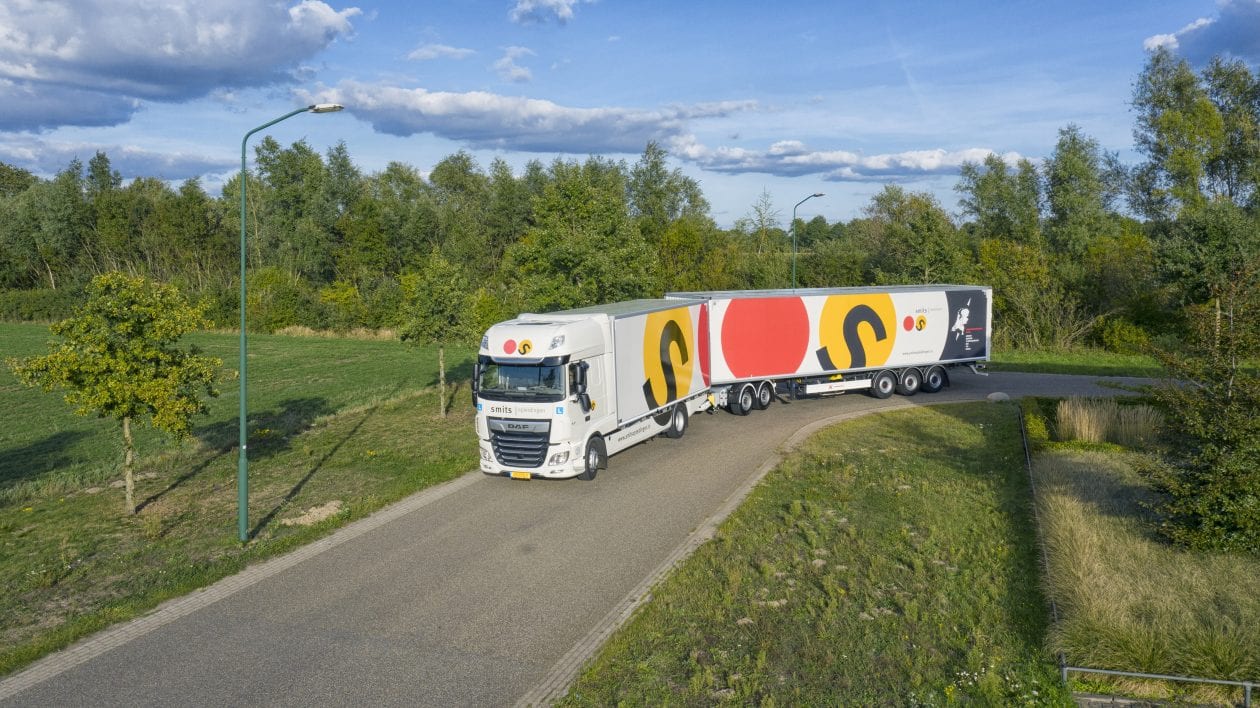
[(522, 382)]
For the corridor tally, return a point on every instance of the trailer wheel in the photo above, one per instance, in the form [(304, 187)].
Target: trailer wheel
[(935, 379), (596, 458), (911, 381), (765, 394), (884, 384), (677, 422), (742, 403)]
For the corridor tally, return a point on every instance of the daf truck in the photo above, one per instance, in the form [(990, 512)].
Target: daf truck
[(556, 394)]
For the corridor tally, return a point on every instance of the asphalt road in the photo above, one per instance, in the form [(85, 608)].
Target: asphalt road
[(470, 598)]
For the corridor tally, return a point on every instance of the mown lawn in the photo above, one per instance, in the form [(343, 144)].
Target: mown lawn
[(890, 560), (1083, 361), (343, 426)]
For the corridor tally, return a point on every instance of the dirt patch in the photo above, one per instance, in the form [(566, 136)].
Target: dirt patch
[(315, 514)]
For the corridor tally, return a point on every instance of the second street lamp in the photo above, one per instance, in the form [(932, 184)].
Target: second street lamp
[(816, 194), (242, 470)]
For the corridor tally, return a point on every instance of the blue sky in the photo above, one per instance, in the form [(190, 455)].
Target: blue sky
[(792, 98)]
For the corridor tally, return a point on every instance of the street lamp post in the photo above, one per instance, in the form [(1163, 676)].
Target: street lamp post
[(816, 194), (242, 470)]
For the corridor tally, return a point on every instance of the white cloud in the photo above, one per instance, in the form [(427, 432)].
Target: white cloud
[(47, 157), (792, 158), (89, 62), (1234, 31), (439, 51), (487, 120), (509, 70), (542, 10)]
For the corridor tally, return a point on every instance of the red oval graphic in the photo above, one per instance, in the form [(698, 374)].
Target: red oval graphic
[(764, 337), (509, 346), (908, 323)]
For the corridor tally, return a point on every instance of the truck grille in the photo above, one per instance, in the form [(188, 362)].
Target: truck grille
[(520, 443)]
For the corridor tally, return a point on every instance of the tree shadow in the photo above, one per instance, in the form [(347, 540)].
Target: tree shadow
[(270, 432), (25, 463), (319, 464)]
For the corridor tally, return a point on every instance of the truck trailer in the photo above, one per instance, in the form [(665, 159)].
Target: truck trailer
[(556, 394)]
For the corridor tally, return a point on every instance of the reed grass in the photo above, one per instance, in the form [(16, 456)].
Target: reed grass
[(1126, 599), (1099, 420)]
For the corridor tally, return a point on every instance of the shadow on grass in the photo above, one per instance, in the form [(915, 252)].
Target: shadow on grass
[(271, 432), (319, 464), (22, 464)]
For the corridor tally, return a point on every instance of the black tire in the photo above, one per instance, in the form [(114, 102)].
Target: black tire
[(596, 458), (883, 385), (935, 379), (677, 422), (765, 394), (911, 381), (742, 403)]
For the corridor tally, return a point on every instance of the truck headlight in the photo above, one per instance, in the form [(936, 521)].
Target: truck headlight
[(559, 458), (485, 454)]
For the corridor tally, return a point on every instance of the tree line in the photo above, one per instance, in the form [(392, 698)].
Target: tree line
[(1078, 247)]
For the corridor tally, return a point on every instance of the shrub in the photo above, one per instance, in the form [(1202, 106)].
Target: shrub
[(1212, 476), (1123, 337), (41, 305)]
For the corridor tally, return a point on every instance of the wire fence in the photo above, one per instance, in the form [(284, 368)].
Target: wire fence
[(1064, 668)]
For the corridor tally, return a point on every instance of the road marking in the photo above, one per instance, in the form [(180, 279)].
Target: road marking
[(556, 683), (102, 642)]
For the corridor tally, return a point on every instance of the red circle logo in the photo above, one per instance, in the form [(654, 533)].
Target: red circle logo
[(509, 346), (764, 337), (908, 323)]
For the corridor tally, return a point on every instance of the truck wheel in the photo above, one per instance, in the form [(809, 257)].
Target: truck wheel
[(765, 394), (596, 458), (677, 422), (884, 384), (935, 379), (742, 403), (911, 380)]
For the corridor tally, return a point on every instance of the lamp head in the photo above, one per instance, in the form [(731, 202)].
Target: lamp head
[(325, 108)]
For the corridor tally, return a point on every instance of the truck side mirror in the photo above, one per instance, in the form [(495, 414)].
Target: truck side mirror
[(578, 374), (476, 382)]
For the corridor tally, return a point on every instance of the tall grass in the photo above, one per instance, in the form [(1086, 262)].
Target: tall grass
[(1099, 420), (1127, 600)]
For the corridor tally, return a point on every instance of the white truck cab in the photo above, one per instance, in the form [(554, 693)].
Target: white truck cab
[(557, 393)]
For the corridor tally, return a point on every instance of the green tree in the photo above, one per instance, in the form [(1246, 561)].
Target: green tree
[(1210, 401), (14, 180), (1002, 203), (659, 195), (438, 310), (1082, 182), (1200, 136), (119, 360), (584, 248), (911, 239)]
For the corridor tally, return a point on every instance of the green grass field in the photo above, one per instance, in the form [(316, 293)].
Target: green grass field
[(347, 423), (1087, 362), (890, 561)]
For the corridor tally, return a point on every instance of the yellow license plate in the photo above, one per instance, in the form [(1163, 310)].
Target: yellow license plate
[(520, 475)]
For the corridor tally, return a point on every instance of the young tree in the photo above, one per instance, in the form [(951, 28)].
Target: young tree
[(120, 360), (438, 306)]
